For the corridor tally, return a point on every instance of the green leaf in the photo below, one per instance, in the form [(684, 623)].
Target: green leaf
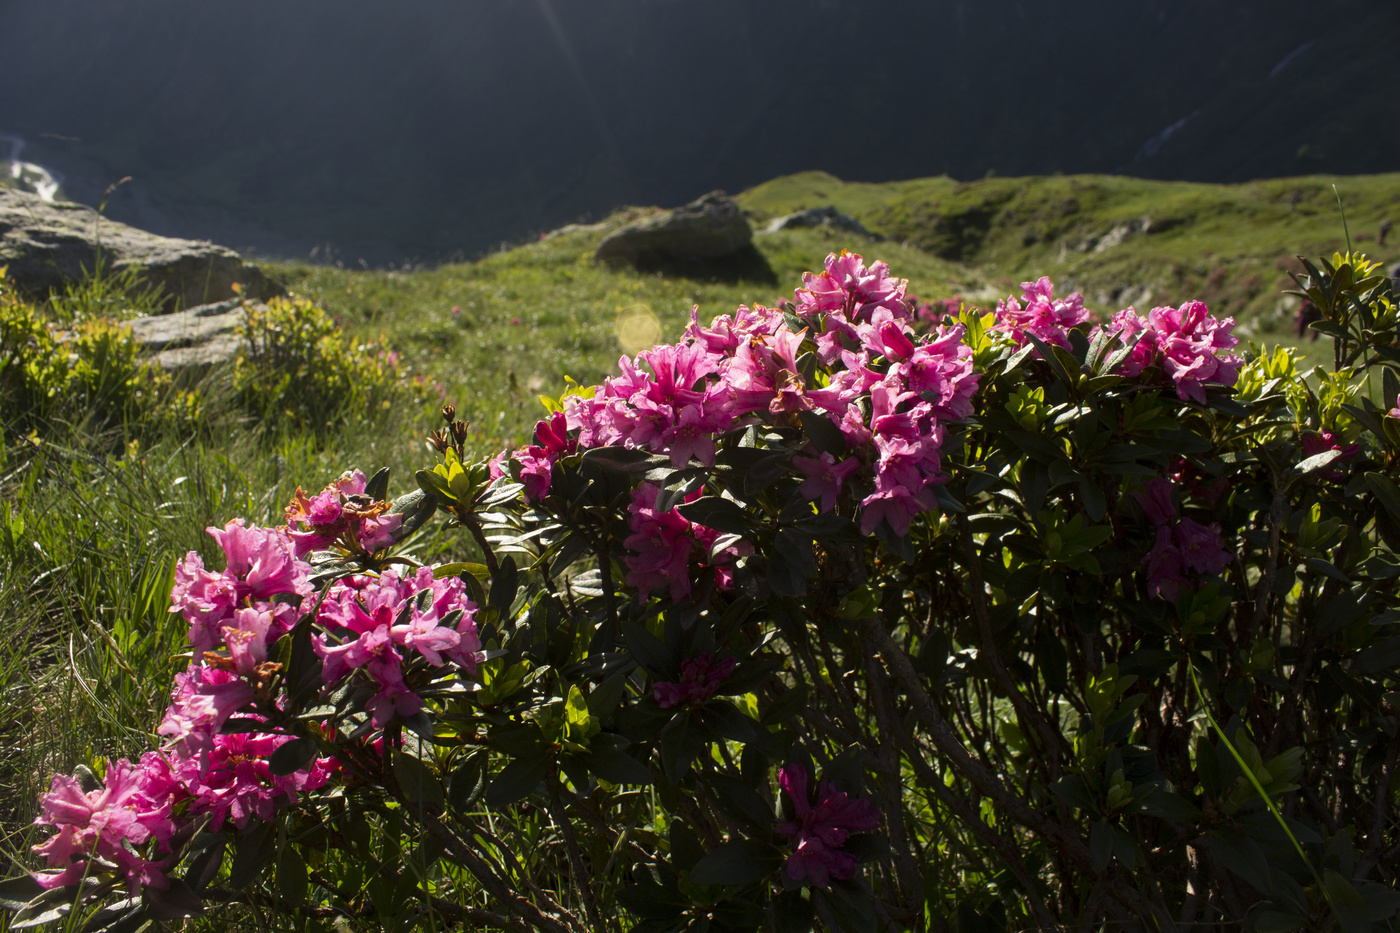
[(435, 485), (719, 513), (1346, 902), (1385, 490), (738, 862), (516, 781), (253, 850), (292, 877), (793, 913), (1314, 463), (1242, 856), (18, 891), (630, 460), (378, 486), (742, 802), (468, 782), (648, 650), (617, 767), (291, 756), (417, 779), (443, 571), (824, 435), (416, 508)]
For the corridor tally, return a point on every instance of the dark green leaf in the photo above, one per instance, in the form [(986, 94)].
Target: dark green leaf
[(252, 851), (739, 862), (1242, 856), (824, 435), (617, 767), (648, 650), (720, 514), (378, 486), (291, 756), (417, 779), (516, 781), (291, 876), (416, 507), (468, 782)]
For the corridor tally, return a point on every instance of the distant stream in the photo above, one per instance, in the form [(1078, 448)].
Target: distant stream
[(29, 175)]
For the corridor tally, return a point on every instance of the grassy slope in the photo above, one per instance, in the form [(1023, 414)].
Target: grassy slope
[(575, 316), (1230, 245)]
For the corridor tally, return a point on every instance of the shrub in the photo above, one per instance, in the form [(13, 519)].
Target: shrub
[(809, 619), (298, 365), (92, 371)]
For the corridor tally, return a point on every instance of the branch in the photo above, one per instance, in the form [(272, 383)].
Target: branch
[(897, 662)]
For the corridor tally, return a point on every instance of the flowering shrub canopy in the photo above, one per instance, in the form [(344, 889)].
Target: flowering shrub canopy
[(906, 617)]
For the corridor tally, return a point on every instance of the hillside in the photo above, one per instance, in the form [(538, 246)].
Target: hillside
[(1119, 240), (529, 316)]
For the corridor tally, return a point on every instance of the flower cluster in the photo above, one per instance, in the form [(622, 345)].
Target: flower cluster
[(1184, 342), (234, 615), (821, 831), (535, 462), (97, 828), (1187, 343), (1044, 317), (701, 677), (260, 567), (888, 391), (662, 544), (1182, 546), (373, 623), (341, 513)]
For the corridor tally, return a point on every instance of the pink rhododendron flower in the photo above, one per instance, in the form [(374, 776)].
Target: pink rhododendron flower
[(1183, 547), (821, 831), (101, 824), (1043, 316), (701, 677), (1201, 547), (850, 289), (824, 477), (1155, 497), (662, 544), (340, 513), (203, 700), (1187, 343), (1165, 567), (238, 785), (260, 565), (362, 615)]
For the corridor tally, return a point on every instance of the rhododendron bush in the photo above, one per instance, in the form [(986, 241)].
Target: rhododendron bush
[(852, 613)]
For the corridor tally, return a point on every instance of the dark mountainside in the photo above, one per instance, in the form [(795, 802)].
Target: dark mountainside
[(432, 128)]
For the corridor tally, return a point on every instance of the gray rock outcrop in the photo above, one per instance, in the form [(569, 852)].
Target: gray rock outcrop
[(199, 336), (827, 216), (46, 244), (711, 227)]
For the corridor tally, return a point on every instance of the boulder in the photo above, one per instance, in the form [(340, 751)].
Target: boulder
[(711, 227), (200, 336), (46, 244), (827, 216)]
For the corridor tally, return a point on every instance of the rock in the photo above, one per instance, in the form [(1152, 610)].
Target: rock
[(827, 216), (709, 228), (200, 336), (46, 244)]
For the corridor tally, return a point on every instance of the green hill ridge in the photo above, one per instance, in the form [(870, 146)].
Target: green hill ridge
[(531, 315)]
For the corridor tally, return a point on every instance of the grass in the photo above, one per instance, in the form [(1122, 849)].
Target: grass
[(532, 315), (91, 525)]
